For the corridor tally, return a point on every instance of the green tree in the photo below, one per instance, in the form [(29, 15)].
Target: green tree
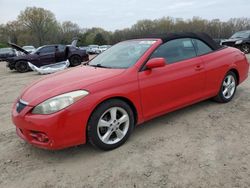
[(40, 23), (99, 39), (10, 32)]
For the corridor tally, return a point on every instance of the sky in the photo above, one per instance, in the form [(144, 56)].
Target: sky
[(119, 14)]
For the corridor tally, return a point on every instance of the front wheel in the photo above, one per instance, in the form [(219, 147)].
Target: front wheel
[(22, 66), (110, 125), (228, 88), (245, 48)]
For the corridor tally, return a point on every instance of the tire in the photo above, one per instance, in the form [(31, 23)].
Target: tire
[(75, 60), (106, 131), (228, 88), (22, 66), (245, 48)]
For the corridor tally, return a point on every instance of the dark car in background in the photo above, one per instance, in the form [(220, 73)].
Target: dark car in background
[(46, 55), (7, 53), (240, 40)]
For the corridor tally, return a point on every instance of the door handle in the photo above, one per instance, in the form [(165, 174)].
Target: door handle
[(199, 67)]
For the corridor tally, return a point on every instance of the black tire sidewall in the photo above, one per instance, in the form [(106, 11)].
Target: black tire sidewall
[(242, 48), (73, 64), (94, 119), (221, 96), (18, 64)]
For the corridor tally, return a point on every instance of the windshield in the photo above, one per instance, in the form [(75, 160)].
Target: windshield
[(122, 55), (241, 34)]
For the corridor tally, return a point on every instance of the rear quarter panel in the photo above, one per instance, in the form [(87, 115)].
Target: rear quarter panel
[(76, 51), (217, 65)]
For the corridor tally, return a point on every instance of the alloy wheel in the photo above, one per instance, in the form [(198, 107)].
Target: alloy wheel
[(113, 125), (246, 49), (229, 86)]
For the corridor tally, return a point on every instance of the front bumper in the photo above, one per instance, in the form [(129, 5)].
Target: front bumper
[(232, 44), (55, 131)]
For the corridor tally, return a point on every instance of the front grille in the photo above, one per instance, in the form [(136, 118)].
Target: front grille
[(20, 106)]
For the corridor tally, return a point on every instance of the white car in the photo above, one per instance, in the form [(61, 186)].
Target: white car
[(93, 49), (103, 48)]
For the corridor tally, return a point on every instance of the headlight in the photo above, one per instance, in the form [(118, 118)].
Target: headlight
[(59, 102), (238, 42)]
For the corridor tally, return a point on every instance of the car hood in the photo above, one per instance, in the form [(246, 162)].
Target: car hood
[(66, 81), (233, 39), (18, 48)]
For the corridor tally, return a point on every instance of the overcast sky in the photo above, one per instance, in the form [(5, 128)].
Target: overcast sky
[(118, 14)]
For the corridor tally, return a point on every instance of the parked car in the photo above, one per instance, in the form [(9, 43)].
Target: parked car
[(29, 48), (219, 41), (240, 40), (102, 48), (132, 82), (93, 49), (46, 55), (84, 48), (6, 53)]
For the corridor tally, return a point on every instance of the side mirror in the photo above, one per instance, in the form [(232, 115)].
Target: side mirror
[(156, 62), (37, 53)]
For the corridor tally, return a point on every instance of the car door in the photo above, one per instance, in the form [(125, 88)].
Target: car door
[(47, 55), (179, 83), (60, 54)]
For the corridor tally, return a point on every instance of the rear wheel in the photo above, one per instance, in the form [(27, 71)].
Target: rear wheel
[(75, 60), (22, 66), (110, 125), (228, 88), (245, 48)]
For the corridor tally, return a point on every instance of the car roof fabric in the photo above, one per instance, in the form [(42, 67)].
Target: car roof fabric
[(200, 36)]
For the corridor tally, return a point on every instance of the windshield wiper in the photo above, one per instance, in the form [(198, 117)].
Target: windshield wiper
[(99, 65)]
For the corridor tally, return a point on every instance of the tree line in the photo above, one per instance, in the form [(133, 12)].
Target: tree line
[(38, 26)]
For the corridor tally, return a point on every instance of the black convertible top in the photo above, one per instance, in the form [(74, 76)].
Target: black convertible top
[(201, 36)]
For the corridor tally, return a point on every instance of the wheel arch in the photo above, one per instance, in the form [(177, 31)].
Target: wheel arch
[(122, 98), (236, 72), (74, 54), (21, 60)]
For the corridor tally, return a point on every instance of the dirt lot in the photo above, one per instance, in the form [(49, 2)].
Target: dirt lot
[(205, 145)]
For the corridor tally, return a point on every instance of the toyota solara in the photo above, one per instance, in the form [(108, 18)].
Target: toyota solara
[(130, 83)]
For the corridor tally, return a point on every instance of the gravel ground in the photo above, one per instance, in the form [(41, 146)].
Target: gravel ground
[(204, 145)]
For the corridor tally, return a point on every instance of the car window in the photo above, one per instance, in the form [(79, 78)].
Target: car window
[(201, 47), (61, 48), (175, 50), (47, 49)]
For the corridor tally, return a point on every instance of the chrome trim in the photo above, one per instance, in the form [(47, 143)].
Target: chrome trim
[(23, 102)]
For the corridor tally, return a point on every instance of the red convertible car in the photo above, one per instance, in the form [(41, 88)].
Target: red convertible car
[(128, 84)]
